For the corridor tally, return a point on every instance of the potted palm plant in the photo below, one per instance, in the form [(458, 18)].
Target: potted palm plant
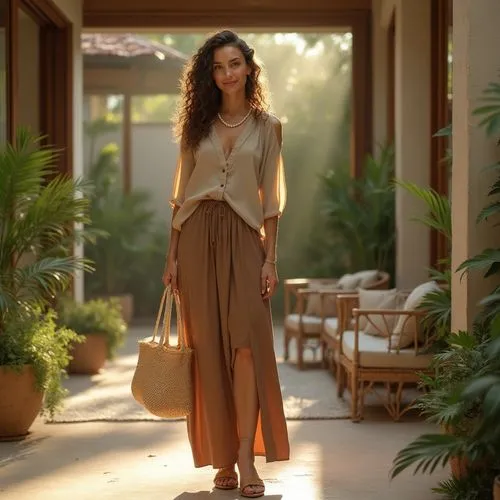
[(101, 327), (484, 388), (470, 416), (38, 213)]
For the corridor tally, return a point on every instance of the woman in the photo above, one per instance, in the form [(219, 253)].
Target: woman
[(228, 194)]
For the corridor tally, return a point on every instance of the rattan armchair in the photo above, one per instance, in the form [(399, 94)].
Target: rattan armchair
[(371, 364), (303, 327)]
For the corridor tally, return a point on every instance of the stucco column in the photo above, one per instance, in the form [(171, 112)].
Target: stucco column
[(475, 63), (412, 136)]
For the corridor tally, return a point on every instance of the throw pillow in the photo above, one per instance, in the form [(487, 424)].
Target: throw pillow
[(377, 299), (367, 278), (404, 331), (348, 282)]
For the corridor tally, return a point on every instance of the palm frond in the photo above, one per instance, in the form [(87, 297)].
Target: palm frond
[(438, 206), (489, 259), (38, 213), (490, 111), (51, 275), (437, 305), (427, 452), (492, 209)]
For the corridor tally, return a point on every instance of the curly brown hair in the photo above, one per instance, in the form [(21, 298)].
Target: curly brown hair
[(201, 98)]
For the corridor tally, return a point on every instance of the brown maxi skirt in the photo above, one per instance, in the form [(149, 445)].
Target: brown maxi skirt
[(219, 262)]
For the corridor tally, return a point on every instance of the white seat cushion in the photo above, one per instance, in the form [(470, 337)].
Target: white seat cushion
[(374, 353), (310, 324), (331, 325)]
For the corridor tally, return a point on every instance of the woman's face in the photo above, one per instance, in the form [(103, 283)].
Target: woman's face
[(230, 69)]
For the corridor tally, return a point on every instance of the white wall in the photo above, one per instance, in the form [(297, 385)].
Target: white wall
[(73, 9), (154, 155)]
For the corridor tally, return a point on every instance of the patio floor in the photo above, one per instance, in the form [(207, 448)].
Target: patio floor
[(331, 460)]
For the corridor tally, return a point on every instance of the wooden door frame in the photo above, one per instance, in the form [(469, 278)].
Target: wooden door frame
[(11, 37), (56, 75), (440, 12), (391, 80)]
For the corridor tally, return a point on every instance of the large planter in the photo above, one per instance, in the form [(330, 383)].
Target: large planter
[(20, 402), (459, 467), (496, 488), (89, 356)]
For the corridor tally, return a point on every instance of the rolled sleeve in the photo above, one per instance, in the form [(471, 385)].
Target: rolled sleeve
[(273, 186), (183, 171)]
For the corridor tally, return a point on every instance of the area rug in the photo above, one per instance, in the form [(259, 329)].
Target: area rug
[(307, 395)]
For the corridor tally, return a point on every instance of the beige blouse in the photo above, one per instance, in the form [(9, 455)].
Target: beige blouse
[(251, 179)]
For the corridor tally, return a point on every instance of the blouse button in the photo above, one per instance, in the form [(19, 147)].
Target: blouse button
[(223, 170), (222, 185)]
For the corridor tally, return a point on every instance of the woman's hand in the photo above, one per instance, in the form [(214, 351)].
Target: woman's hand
[(269, 280), (170, 274)]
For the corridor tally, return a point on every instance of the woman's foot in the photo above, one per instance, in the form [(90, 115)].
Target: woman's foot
[(226, 479), (251, 485)]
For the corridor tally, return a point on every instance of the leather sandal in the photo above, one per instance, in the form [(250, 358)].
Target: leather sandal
[(229, 475), (254, 482)]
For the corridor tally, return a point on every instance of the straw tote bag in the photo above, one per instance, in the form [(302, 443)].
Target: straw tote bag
[(162, 381)]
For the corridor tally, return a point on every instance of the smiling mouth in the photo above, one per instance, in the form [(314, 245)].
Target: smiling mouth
[(230, 83)]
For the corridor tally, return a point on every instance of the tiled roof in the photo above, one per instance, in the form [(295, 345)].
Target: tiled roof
[(126, 45)]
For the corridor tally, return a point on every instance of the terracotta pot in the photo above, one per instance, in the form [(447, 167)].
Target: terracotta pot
[(20, 402), (458, 467), (496, 488), (89, 357)]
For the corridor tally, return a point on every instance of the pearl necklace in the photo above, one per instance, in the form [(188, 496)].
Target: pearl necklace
[(234, 125)]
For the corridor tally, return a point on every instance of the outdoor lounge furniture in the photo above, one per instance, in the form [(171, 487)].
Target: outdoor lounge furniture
[(383, 362), (305, 309)]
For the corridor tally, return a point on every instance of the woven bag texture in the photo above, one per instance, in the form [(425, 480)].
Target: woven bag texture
[(162, 381)]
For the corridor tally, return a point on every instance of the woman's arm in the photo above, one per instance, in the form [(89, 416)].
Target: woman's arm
[(184, 169), (170, 271), (269, 275), (174, 239), (274, 196), (271, 233)]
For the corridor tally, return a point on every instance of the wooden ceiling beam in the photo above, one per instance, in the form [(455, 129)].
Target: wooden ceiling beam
[(275, 14)]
